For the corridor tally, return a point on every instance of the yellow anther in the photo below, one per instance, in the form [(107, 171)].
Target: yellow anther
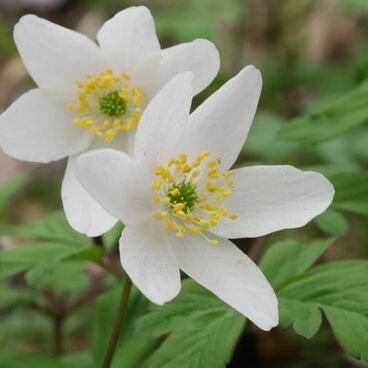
[(181, 214), (186, 168), (156, 198), (99, 120), (226, 193), (188, 207), (196, 230), (233, 216), (174, 192), (210, 186), (227, 174), (212, 163), (70, 106), (178, 206), (213, 174), (160, 215), (166, 201), (156, 184), (202, 155), (183, 158), (204, 223), (172, 161)]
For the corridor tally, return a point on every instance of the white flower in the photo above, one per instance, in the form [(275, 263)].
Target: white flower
[(180, 204), (92, 96)]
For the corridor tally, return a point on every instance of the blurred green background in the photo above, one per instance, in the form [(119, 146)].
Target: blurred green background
[(313, 55)]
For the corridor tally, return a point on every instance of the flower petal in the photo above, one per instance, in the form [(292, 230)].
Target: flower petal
[(163, 122), (231, 275), (147, 258), (221, 124), (115, 181), (82, 211), (39, 129), (128, 37), (272, 198), (56, 56), (199, 57), (145, 75)]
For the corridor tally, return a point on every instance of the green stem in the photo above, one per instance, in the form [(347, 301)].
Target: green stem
[(118, 323)]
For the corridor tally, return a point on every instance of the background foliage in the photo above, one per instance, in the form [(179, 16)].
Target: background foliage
[(59, 290)]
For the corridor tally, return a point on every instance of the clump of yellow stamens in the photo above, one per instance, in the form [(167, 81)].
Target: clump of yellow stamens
[(107, 104), (190, 202)]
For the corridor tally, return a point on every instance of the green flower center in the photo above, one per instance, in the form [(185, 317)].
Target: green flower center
[(112, 104), (186, 193)]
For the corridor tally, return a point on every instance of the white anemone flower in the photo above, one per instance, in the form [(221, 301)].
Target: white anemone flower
[(180, 203), (91, 96)]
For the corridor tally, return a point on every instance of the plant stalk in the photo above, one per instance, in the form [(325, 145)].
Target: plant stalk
[(118, 323)]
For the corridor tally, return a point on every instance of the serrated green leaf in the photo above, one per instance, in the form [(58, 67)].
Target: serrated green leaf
[(306, 318), (330, 119), (332, 222), (340, 290), (53, 227), (203, 330), (210, 346), (287, 259), (350, 328), (131, 351), (44, 254)]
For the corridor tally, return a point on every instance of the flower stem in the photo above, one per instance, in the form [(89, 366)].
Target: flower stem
[(118, 323)]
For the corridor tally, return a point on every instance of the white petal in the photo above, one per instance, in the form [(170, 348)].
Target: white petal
[(231, 275), (163, 122), (128, 37), (272, 198), (145, 74), (199, 57), (115, 181), (56, 56), (82, 211), (221, 124), (39, 129), (147, 258)]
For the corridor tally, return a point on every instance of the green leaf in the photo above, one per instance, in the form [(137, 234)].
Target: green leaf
[(305, 317), (34, 255), (131, 351), (267, 146), (331, 119), (287, 259), (53, 227), (10, 188), (69, 277), (203, 330), (350, 328), (351, 191), (111, 238), (17, 359), (332, 222), (340, 290), (11, 296), (81, 359)]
